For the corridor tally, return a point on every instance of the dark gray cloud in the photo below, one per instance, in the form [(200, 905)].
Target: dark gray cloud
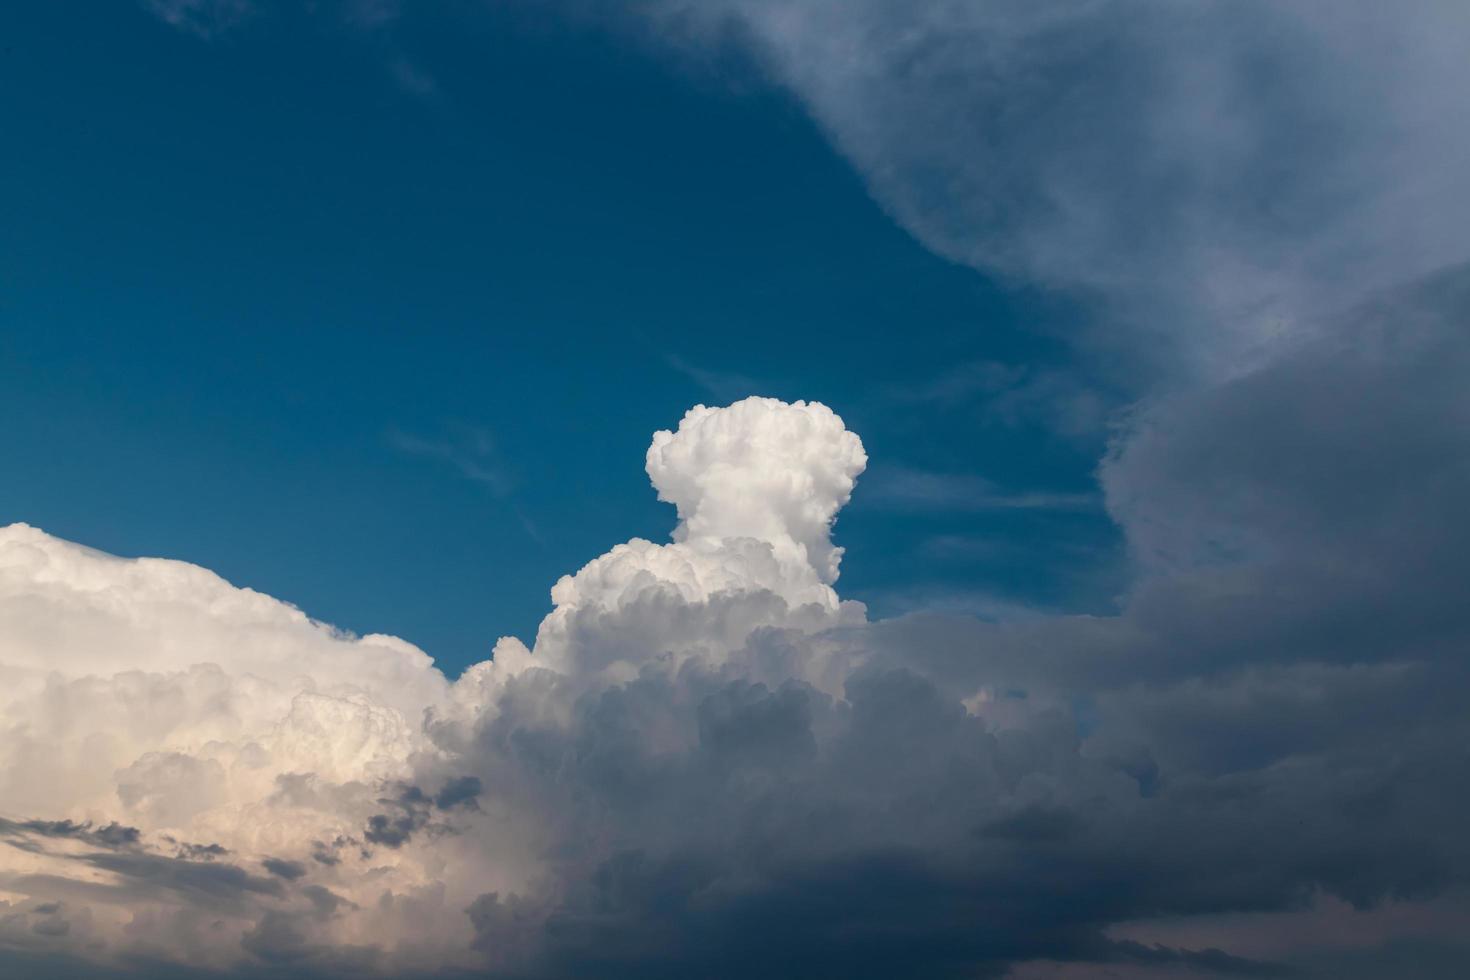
[(874, 914), (393, 830), (290, 870), (111, 835), (461, 791), (1269, 718), (327, 852), (208, 883), (410, 811)]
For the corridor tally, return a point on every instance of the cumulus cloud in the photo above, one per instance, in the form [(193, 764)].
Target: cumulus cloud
[(763, 471), (230, 730), (708, 764)]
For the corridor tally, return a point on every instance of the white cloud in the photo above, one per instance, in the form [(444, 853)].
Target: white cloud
[(155, 694), (763, 470)]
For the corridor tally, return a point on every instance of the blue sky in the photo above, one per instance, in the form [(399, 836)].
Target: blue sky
[(391, 348)]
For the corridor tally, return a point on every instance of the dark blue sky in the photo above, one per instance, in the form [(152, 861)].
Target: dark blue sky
[(384, 329)]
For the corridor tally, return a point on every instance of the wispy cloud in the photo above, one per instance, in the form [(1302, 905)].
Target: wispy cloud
[(469, 450), (205, 18), (371, 21), (961, 383), (1016, 395), (371, 13), (412, 78), (725, 386), (931, 597), (909, 488)]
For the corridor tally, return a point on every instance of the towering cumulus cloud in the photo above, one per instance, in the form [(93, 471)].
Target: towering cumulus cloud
[(709, 765), (192, 767)]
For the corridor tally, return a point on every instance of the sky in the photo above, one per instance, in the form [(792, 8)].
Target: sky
[(393, 353), (797, 488)]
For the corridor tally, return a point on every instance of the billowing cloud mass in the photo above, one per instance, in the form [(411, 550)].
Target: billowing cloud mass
[(709, 765)]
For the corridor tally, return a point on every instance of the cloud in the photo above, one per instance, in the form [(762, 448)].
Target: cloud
[(113, 835), (205, 18), (1050, 401), (290, 870), (1347, 450), (468, 449), (458, 792), (154, 690), (471, 451), (1219, 173), (722, 385), (760, 470), (906, 487), (1215, 178), (709, 764)]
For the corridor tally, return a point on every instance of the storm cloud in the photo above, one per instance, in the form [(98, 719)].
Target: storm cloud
[(705, 746), (708, 762)]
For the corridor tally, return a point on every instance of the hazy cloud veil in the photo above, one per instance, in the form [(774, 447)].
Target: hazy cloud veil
[(1219, 172)]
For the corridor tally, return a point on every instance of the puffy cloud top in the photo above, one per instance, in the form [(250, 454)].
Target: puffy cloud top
[(757, 486), (760, 469)]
